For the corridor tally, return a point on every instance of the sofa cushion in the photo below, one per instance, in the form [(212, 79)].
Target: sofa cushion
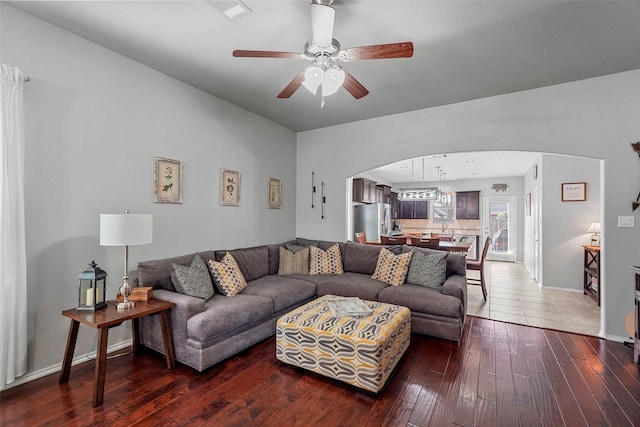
[(306, 242), (253, 262), (456, 263), (293, 262), (421, 299), (350, 285), (227, 276), (157, 273), (283, 291), (193, 280), (359, 258), (392, 269), (224, 316), (294, 248), (428, 269), (274, 258), (325, 262)]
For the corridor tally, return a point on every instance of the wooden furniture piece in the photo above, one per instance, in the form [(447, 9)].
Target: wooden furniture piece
[(393, 240), (478, 265), (636, 317), (430, 243), (447, 245), (413, 209), (364, 190), (591, 283), (361, 237), (107, 318), (383, 193), (467, 205)]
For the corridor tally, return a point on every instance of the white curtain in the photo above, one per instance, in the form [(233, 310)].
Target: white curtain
[(13, 269)]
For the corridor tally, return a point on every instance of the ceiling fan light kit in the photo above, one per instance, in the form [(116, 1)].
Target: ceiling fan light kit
[(324, 53)]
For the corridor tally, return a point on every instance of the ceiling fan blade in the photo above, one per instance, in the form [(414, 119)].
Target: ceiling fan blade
[(377, 51), (353, 86), (292, 86), (322, 18), (265, 54)]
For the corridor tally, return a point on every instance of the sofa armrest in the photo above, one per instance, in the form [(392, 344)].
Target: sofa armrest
[(186, 306), (456, 285)]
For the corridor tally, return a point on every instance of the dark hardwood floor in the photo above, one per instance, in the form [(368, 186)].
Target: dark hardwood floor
[(500, 375)]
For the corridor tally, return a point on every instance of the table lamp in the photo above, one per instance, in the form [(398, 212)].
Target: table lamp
[(595, 237), (125, 230)]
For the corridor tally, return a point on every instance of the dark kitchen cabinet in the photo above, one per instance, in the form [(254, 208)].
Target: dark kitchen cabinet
[(413, 209), (467, 204), (395, 207), (383, 193), (364, 190)]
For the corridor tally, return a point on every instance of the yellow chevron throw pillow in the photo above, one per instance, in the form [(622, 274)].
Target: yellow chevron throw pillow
[(392, 269), (227, 275), (325, 262)]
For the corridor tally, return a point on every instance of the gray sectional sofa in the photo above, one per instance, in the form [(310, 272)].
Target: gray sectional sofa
[(207, 332)]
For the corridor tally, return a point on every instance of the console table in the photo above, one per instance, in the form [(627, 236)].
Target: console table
[(591, 272), (106, 318), (636, 317)]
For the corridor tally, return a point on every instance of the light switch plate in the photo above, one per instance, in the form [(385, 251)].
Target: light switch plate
[(626, 221)]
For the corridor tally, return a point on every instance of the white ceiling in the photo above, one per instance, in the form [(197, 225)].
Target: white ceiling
[(476, 165), (463, 49)]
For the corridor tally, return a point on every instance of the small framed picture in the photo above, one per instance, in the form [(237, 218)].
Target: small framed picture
[(275, 193), (167, 178), (527, 204), (574, 192), (229, 187)]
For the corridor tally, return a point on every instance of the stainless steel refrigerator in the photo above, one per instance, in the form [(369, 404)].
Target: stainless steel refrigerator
[(374, 220)]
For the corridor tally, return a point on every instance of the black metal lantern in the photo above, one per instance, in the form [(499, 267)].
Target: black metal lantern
[(92, 288)]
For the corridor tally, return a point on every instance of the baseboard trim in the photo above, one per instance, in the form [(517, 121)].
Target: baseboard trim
[(58, 366), (614, 338)]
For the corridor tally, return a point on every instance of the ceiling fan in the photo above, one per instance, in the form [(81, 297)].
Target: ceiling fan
[(324, 54)]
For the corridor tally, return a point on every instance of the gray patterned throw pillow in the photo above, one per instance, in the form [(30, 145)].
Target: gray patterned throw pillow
[(428, 269), (193, 280)]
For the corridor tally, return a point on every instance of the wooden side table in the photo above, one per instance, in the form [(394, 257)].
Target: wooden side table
[(636, 317), (591, 272), (109, 317)]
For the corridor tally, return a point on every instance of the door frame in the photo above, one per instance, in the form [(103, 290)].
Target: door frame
[(512, 255)]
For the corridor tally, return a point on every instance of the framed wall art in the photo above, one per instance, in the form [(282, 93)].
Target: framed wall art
[(229, 187), (167, 178), (574, 192), (275, 193)]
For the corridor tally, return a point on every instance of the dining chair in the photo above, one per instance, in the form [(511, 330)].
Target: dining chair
[(431, 243), (393, 240), (361, 237), (478, 265)]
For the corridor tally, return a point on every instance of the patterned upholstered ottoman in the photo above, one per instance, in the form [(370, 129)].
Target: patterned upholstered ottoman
[(358, 351)]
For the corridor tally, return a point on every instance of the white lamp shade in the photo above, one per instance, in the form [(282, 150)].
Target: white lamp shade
[(312, 78), (332, 81), (594, 228), (126, 229)]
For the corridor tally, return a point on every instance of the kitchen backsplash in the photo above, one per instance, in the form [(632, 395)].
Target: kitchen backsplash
[(462, 226)]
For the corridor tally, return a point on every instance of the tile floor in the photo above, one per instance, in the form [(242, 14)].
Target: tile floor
[(513, 296)]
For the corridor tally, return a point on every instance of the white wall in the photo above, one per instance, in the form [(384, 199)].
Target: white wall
[(94, 121), (562, 240), (595, 118)]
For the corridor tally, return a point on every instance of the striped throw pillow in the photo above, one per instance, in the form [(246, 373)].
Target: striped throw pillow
[(325, 262), (293, 262), (392, 269)]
